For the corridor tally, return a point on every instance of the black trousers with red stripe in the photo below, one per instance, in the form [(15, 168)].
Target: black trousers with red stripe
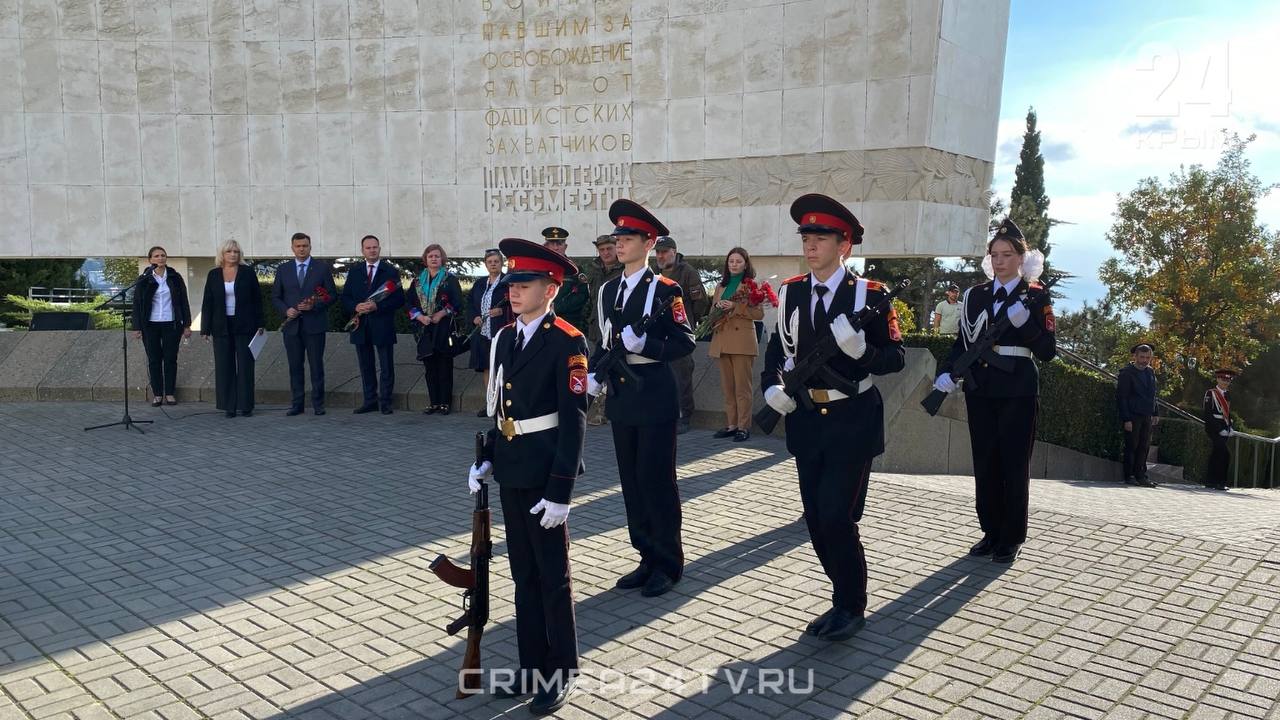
[(1002, 433), (833, 489)]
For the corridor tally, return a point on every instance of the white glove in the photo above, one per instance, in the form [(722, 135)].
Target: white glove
[(1018, 314), (634, 343), (853, 344), (553, 513), (594, 388), (789, 365), (477, 474), (777, 398), (945, 383), (1224, 433)]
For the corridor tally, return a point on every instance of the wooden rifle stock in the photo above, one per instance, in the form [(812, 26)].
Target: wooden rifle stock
[(475, 584)]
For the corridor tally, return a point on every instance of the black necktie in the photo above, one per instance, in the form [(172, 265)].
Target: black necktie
[(622, 291), (820, 323), (1000, 297)]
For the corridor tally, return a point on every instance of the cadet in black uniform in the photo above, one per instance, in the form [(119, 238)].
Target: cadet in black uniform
[(835, 442), (644, 421), (573, 301), (1217, 424), (1003, 407), (538, 395)]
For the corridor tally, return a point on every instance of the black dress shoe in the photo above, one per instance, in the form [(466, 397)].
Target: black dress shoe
[(231, 413), (983, 547), (634, 579), (482, 413), (842, 626), (429, 410), (319, 411), (725, 433), (742, 436), (1006, 554), (156, 402), (443, 410), (364, 409), (657, 584), (387, 410), (1143, 482), (293, 411), (246, 413), (815, 628), (549, 700)]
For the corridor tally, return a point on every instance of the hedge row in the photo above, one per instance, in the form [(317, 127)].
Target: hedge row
[(1184, 443), (1077, 407)]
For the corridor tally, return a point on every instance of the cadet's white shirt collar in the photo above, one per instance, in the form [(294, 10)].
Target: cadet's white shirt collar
[(632, 281), (1008, 287), (832, 283), (521, 325)]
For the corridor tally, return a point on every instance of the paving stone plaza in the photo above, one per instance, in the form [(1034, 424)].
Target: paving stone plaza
[(277, 567)]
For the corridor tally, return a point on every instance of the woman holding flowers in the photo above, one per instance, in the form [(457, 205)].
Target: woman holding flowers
[(434, 297), (739, 301)]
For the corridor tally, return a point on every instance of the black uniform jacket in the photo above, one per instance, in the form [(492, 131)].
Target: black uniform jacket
[(1217, 417), (856, 423), (1037, 334), (670, 339), (549, 375)]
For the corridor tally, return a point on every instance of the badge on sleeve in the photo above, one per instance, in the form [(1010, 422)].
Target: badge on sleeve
[(1049, 323), (677, 310), (578, 374)]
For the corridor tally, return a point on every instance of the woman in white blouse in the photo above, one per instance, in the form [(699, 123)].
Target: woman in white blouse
[(162, 319), (231, 315)]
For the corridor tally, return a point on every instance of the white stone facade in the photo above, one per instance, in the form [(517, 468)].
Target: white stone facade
[(128, 123)]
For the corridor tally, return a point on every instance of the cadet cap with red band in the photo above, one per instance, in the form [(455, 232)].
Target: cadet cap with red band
[(530, 261), (629, 218), (816, 213)]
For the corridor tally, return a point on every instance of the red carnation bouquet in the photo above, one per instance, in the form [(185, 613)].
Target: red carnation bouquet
[(753, 293), (319, 296), (386, 289)]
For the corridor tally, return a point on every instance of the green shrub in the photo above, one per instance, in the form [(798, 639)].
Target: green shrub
[(102, 319)]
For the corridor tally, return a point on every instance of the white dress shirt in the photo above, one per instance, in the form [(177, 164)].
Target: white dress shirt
[(1008, 288), (523, 335), (632, 281), (162, 302), (832, 284)]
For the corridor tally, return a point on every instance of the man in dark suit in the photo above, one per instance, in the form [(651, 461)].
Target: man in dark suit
[(376, 331), (644, 419), (836, 437), (538, 399), (303, 291), (1136, 403)]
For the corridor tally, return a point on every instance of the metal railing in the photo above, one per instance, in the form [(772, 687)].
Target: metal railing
[(1255, 474), (66, 296)]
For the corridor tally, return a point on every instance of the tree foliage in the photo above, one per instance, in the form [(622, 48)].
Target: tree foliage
[(1192, 253), (1028, 201)]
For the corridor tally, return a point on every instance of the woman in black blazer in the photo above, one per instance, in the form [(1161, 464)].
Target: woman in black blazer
[(232, 315), (434, 298), (161, 318), (488, 310)]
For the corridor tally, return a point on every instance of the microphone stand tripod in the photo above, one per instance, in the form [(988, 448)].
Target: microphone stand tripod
[(126, 421)]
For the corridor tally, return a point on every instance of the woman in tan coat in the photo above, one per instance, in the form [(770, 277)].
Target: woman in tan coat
[(733, 340)]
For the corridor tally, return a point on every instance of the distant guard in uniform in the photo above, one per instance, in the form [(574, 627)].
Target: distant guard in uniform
[(835, 442), (573, 302), (1004, 406), (644, 421), (1218, 425), (537, 394)]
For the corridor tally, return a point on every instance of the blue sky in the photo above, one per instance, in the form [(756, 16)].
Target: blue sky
[(1127, 90)]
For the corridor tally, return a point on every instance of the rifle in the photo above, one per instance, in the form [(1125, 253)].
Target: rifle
[(616, 357), (474, 583), (981, 350), (815, 362)]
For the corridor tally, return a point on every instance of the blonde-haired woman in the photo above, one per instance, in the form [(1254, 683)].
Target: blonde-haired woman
[(231, 316)]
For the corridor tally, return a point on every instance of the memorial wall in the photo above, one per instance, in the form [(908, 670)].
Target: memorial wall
[(130, 123)]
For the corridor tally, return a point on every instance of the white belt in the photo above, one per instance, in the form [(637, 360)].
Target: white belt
[(821, 395), (511, 428), (633, 359), (1012, 350)]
